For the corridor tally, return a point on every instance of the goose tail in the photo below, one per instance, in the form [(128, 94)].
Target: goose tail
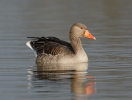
[(30, 46)]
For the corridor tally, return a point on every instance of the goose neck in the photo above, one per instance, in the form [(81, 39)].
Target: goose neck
[(76, 44)]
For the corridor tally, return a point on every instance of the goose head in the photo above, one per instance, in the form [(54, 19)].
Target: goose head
[(81, 31)]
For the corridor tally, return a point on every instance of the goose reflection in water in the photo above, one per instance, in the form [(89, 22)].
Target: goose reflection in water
[(76, 73)]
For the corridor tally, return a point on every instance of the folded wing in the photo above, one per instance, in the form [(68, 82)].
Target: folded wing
[(49, 45)]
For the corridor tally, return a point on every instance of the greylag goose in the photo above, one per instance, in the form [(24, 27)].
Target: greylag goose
[(54, 50)]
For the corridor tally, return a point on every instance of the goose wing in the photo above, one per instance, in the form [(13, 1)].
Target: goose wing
[(49, 45)]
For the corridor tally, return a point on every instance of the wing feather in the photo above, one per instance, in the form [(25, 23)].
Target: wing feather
[(50, 45)]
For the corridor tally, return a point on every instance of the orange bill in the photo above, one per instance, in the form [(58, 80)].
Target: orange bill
[(87, 34)]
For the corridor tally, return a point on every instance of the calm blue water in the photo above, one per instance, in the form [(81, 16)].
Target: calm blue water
[(108, 76)]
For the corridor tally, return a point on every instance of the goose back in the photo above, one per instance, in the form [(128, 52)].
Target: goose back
[(50, 45)]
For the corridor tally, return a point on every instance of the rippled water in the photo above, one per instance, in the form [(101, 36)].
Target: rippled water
[(108, 76)]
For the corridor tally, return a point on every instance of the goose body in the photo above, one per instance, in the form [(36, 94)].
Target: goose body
[(54, 50)]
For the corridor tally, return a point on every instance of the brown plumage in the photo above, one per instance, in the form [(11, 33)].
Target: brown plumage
[(50, 45), (54, 50)]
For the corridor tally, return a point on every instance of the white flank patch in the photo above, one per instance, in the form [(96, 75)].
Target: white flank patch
[(29, 45)]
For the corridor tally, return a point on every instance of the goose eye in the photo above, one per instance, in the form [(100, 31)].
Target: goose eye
[(81, 28)]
